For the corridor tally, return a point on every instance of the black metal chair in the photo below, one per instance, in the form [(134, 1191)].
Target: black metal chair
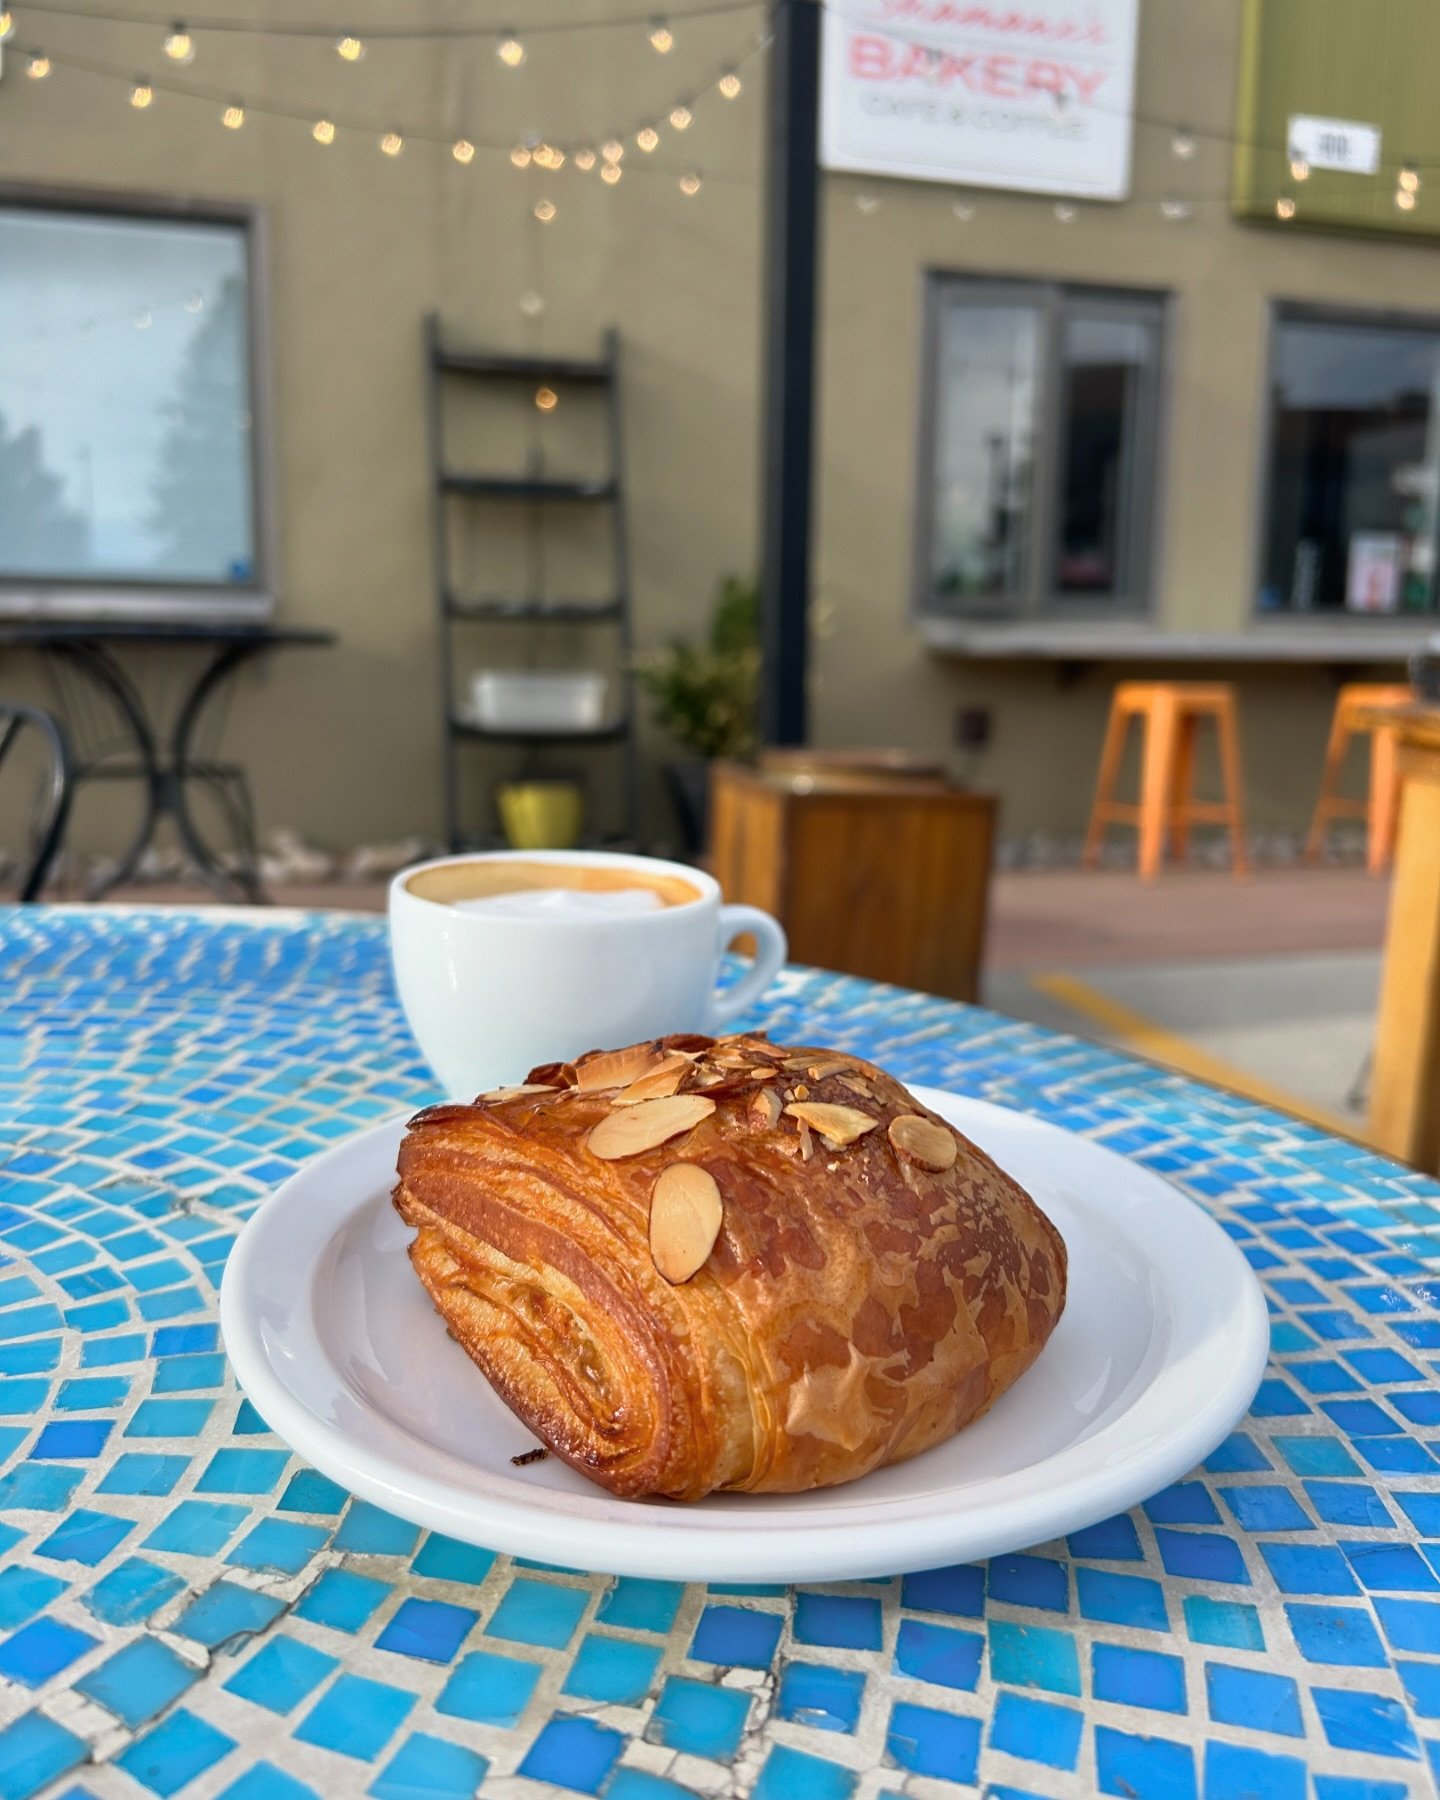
[(54, 803)]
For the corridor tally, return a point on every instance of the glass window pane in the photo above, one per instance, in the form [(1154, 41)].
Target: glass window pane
[(1355, 469), (1106, 425), (125, 425), (985, 430)]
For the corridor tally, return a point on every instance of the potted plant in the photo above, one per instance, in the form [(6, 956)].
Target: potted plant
[(706, 698)]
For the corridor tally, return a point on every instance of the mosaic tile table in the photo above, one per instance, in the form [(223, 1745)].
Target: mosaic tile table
[(185, 1609)]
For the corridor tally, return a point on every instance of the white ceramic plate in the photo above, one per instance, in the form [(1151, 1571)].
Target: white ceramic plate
[(1158, 1354)]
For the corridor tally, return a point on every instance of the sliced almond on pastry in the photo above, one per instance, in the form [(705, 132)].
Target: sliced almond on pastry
[(525, 1087), (922, 1141), (616, 1068), (765, 1110), (633, 1129), (685, 1218), (665, 1078), (838, 1125)]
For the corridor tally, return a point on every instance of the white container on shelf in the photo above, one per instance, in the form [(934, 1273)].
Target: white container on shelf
[(537, 700)]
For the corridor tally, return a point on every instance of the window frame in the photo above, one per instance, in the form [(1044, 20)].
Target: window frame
[(1040, 597), (1281, 311), (145, 597)]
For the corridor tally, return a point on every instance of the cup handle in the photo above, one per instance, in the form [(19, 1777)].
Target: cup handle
[(770, 952)]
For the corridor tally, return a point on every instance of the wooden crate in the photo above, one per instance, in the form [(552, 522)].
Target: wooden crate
[(873, 875)]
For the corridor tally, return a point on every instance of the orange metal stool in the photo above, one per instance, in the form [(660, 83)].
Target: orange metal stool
[(1381, 808), (1170, 713)]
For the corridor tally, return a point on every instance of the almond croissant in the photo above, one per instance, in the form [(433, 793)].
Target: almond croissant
[(707, 1264)]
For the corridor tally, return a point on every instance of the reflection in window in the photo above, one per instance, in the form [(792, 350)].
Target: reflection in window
[(1109, 375), (125, 424), (1354, 468)]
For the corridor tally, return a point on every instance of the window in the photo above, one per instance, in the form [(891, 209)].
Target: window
[(1354, 476), (127, 410), (1041, 425)]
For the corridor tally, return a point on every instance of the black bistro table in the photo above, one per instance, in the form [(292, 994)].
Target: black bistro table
[(164, 756)]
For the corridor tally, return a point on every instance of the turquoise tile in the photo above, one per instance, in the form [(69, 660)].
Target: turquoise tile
[(175, 1752), (429, 1768), (536, 1612), (356, 1717), (281, 1673)]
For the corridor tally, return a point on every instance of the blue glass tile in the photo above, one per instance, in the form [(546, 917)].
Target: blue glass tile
[(1411, 1624), (39, 1487), (1352, 1787), (429, 1768), (938, 1654), (177, 1374), (280, 1674), (169, 1418), (842, 1621), (794, 1775), (927, 1742), (1112, 1540), (1277, 1400), (642, 1605), (959, 1590), (1359, 1721), (1122, 1599), (174, 1753), (1422, 1685), (825, 1699), (1188, 1503), (1309, 1569), (1030, 1581), (108, 1352), (1254, 1699), (538, 1612), (1201, 1555), (1347, 1503), (1233, 1772), (41, 1649), (1338, 1635), (341, 1599), (1033, 1656), (244, 1472), (372, 1531), (431, 1630), (197, 1527), (131, 1592), (1266, 1508), (635, 1784), (492, 1690), (356, 1717), (1397, 1455), (35, 1751), (446, 1559), (225, 1612), (1036, 1730), (139, 1681), (263, 1781), (85, 1537), (29, 1356), (279, 1544), (736, 1637), (700, 1720), (80, 1439), (1316, 1456), (23, 1593), (100, 1393), (1143, 1768), (573, 1753), (1139, 1677), (1390, 1568), (1238, 1455), (612, 1670), (309, 1492), (135, 1472)]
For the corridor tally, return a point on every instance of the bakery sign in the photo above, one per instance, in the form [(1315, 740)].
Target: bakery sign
[(1036, 97)]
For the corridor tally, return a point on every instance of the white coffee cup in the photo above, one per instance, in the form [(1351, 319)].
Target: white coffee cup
[(490, 995)]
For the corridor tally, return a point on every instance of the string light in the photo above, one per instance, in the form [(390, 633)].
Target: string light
[(1299, 168), (612, 150), (964, 210), (1405, 199), (585, 161), (611, 173), (463, 150), (7, 23), (350, 48), (729, 85), (233, 116), (544, 211), (532, 304), (38, 66), (143, 321), (323, 131), (1182, 145), (520, 156), (194, 303), (647, 138), (180, 46), (392, 143), (1409, 178), (680, 118), (1066, 213), (142, 95), (510, 51), (1177, 211), (689, 184), (546, 399), (1284, 207), (661, 37), (867, 203), (548, 157)]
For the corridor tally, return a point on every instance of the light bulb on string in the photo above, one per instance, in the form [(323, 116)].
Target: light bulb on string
[(544, 211), (611, 173), (179, 45), (729, 85), (323, 131), (1182, 145), (1409, 178), (38, 66), (1285, 207), (612, 150), (510, 51), (1299, 167), (662, 38), (1405, 199), (548, 157), (546, 399), (143, 321), (689, 184), (7, 23), (1065, 213), (233, 116), (520, 156), (532, 304), (463, 150), (867, 203), (142, 95), (391, 144), (964, 210), (647, 138), (194, 303), (585, 160), (1176, 211), (350, 48), (680, 118)]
